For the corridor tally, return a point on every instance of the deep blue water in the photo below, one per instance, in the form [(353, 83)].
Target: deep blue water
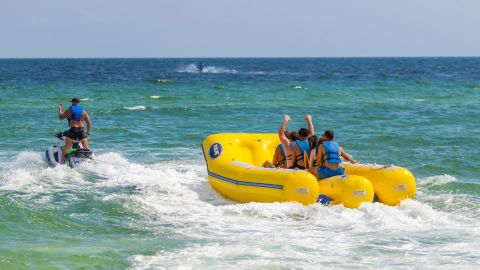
[(146, 202)]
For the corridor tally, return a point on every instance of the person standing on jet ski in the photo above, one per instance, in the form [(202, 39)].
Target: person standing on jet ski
[(75, 115)]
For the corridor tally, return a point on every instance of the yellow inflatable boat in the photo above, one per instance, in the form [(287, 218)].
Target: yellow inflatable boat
[(392, 184), (234, 164)]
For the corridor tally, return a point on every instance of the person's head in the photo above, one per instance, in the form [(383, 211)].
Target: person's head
[(328, 135), (293, 136), (313, 141), (303, 133), (287, 134), (75, 101)]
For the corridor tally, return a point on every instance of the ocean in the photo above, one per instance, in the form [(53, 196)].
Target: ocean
[(145, 202)]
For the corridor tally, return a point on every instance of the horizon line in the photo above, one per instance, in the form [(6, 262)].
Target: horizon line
[(229, 57)]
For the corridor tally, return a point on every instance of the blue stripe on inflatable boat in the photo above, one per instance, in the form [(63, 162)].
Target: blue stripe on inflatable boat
[(236, 182), (244, 183)]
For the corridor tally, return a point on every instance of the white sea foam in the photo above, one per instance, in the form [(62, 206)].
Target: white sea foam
[(438, 180), (193, 68), (29, 174), (163, 81), (154, 97), (135, 108), (174, 200), (257, 72)]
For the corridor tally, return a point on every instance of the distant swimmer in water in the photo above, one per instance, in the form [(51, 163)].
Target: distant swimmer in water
[(200, 67), (328, 156), (75, 115), (301, 150)]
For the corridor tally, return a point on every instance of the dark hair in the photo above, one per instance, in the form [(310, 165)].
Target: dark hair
[(75, 100), (320, 141), (329, 134), (313, 141), (303, 132), (287, 134), (293, 136)]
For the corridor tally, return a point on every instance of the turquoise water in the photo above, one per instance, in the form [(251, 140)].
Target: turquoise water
[(145, 203)]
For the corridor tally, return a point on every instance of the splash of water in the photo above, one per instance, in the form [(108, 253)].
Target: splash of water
[(175, 197), (193, 68)]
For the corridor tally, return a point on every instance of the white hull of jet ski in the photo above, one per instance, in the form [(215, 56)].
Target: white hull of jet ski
[(73, 159)]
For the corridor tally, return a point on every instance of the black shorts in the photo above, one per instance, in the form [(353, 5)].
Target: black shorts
[(76, 133)]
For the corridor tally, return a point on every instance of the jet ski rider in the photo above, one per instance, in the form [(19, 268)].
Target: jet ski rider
[(75, 115)]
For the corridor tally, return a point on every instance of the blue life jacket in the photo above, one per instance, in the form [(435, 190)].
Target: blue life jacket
[(293, 144), (284, 160), (77, 113), (303, 146), (332, 152)]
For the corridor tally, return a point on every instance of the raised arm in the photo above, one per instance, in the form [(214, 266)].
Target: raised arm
[(347, 156), (62, 115), (311, 130), (285, 141), (87, 120), (281, 131)]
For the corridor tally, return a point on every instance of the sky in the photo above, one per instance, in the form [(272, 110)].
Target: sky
[(238, 28)]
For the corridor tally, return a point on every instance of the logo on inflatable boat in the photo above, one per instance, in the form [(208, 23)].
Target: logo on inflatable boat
[(215, 150)]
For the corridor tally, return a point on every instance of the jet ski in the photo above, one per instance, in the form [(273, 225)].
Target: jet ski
[(76, 155)]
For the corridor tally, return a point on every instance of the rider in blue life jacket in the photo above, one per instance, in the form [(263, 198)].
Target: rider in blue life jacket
[(328, 156), (290, 144), (301, 150), (279, 157), (283, 153), (76, 115)]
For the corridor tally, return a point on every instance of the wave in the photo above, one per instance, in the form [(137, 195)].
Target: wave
[(277, 73), (437, 180), (447, 194), (297, 87), (173, 200), (193, 68), (448, 183), (135, 108), (159, 81)]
